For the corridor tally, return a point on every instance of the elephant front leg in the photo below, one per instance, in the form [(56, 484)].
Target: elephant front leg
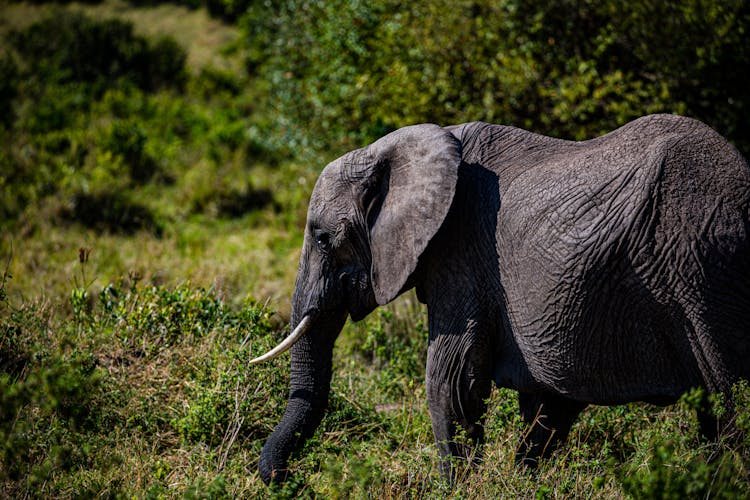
[(458, 385)]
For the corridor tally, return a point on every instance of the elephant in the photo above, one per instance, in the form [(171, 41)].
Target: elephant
[(596, 272)]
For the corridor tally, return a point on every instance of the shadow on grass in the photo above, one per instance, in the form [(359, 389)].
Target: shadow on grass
[(110, 212)]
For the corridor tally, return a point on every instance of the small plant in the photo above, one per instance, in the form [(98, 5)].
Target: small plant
[(79, 296)]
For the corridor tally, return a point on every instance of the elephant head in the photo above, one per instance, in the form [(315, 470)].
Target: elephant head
[(371, 215)]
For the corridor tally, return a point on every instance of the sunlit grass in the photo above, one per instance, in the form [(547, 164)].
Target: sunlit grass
[(232, 257)]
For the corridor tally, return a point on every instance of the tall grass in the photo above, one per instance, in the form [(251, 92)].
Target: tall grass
[(145, 391)]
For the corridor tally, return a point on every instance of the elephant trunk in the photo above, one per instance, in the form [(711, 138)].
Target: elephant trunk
[(310, 382)]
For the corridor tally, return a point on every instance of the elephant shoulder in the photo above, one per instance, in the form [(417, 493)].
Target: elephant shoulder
[(499, 147)]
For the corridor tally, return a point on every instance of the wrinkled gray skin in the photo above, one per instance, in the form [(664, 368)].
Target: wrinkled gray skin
[(596, 272)]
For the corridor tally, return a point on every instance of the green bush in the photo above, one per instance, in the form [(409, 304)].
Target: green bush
[(344, 73), (110, 211), (57, 108), (233, 202), (45, 415), (128, 139), (61, 142), (69, 46), (160, 317), (669, 474), (78, 393)]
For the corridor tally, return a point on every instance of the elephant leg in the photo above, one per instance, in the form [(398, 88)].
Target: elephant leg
[(458, 385), (717, 361), (548, 418)]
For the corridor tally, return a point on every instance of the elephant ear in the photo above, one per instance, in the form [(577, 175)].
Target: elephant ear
[(408, 197)]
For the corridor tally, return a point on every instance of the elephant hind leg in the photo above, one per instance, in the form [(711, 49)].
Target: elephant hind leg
[(719, 342), (548, 418), (708, 424)]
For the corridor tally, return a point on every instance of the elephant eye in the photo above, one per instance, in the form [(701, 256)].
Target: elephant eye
[(323, 240)]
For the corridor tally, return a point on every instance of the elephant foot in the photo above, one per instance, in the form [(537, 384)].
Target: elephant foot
[(457, 456)]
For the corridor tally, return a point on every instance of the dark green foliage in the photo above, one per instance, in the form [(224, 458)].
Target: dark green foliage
[(44, 414), (208, 490), (229, 10), (55, 108), (109, 212), (161, 317), (234, 202), (719, 471), (669, 476), (213, 81), (393, 346), (350, 71), (79, 388), (72, 47), (128, 139), (355, 477), (47, 104), (15, 353)]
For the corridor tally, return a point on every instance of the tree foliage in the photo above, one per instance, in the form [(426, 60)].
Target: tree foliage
[(345, 72)]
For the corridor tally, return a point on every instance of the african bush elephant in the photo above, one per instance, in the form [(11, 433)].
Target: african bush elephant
[(596, 272)]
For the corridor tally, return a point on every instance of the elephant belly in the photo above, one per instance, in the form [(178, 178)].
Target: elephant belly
[(589, 326), (598, 333), (606, 363)]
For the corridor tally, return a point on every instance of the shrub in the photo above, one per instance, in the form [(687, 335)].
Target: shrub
[(56, 108), (128, 139), (61, 142), (668, 475), (344, 73), (43, 415), (84, 393), (69, 46), (233, 202), (211, 81), (110, 211)]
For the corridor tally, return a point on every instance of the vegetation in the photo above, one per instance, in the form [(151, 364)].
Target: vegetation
[(152, 201), (343, 70)]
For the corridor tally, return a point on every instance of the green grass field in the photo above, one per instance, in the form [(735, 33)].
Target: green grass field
[(151, 228)]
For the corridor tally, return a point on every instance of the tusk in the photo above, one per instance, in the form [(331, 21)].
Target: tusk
[(287, 343)]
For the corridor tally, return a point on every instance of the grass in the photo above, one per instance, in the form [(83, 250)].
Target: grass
[(124, 345), (234, 261), (133, 390)]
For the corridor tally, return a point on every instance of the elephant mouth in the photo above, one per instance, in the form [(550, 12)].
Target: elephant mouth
[(358, 294)]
